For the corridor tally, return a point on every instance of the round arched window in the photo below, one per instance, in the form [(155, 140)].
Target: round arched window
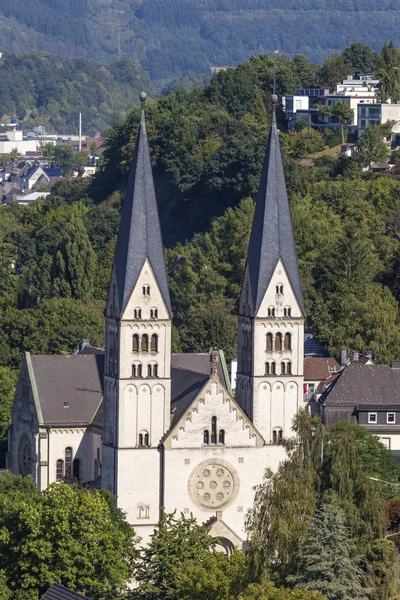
[(25, 456)]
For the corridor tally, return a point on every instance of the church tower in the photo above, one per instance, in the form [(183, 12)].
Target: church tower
[(137, 381), (269, 384)]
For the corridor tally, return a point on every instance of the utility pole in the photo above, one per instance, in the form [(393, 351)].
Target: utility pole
[(80, 132)]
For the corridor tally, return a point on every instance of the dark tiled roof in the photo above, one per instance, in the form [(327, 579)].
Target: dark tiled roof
[(78, 380), (139, 234), (271, 235), (313, 349), (360, 384), (318, 368), (59, 592), (75, 379), (56, 172)]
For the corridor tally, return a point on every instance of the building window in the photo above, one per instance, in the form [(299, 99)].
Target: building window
[(278, 342), (136, 370), (206, 437), (288, 341), (277, 435), (269, 342), (68, 462), (152, 370), (135, 343), (59, 469), (154, 342), (137, 313), (372, 418), (270, 368), (391, 417), (214, 430), (221, 436), (95, 469), (76, 468), (332, 369), (153, 313), (144, 439), (145, 343), (149, 371), (143, 512), (271, 311), (146, 290), (287, 312), (66, 404), (279, 289), (286, 368)]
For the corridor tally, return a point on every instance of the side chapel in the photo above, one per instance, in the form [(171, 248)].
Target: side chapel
[(161, 429)]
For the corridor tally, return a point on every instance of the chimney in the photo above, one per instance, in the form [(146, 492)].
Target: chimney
[(395, 364), (368, 354), (356, 356), (343, 357)]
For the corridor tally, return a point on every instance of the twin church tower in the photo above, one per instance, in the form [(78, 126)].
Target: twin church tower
[(173, 435)]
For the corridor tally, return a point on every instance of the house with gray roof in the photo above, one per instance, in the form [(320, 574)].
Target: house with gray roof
[(369, 395)]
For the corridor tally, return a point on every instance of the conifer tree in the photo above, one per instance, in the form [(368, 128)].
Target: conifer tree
[(326, 561)]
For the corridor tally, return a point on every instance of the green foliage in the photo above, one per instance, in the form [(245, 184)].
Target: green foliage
[(8, 380), (339, 112), (268, 591), (384, 564), (64, 535), (326, 561), (44, 90), (322, 490), (175, 543)]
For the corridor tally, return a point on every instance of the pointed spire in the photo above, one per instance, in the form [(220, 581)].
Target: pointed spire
[(271, 235), (139, 235)]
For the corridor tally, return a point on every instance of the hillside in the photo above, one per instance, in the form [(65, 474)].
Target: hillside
[(179, 37), (44, 90)]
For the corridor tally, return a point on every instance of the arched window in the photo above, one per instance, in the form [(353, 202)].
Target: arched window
[(139, 370), (214, 430), (269, 342), (143, 512), (137, 313), (287, 312), (149, 371), (267, 368), (221, 436), (206, 437), (144, 439), (273, 368), (283, 368), (289, 368), (288, 341), (153, 313), (98, 462), (134, 371), (271, 311), (279, 289), (277, 435), (76, 468), (146, 290), (135, 343), (68, 461), (145, 343), (155, 370), (96, 469), (278, 342), (154, 342), (59, 469)]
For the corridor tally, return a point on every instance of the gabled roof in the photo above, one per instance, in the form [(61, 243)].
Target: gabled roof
[(360, 385), (313, 349), (59, 592), (320, 368), (139, 234), (271, 235)]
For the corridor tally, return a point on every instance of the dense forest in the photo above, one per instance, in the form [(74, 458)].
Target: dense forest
[(207, 147), (180, 37), (41, 89)]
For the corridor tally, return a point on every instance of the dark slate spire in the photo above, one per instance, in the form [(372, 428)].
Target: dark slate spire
[(139, 235), (271, 235)]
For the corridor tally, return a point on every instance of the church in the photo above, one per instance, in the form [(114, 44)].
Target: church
[(161, 429)]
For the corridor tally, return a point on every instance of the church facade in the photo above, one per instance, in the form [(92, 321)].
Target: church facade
[(160, 429)]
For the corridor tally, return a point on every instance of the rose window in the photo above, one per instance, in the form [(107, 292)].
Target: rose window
[(213, 485)]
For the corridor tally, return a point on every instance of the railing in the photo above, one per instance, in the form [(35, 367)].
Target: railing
[(310, 397)]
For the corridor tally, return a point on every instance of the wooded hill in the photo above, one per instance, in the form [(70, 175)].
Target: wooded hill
[(179, 37), (44, 90)]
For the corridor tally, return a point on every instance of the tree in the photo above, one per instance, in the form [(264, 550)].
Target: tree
[(64, 535), (307, 141), (64, 157), (8, 380), (174, 543), (384, 565), (362, 58), (340, 112), (327, 562), (370, 147), (268, 591)]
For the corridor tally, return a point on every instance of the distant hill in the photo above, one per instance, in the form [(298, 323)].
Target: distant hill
[(44, 90), (174, 38)]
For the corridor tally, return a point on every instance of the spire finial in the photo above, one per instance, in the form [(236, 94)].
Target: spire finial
[(214, 361), (143, 98), (274, 97)]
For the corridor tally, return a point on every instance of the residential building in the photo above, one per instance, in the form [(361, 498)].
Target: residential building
[(369, 395), (379, 114)]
